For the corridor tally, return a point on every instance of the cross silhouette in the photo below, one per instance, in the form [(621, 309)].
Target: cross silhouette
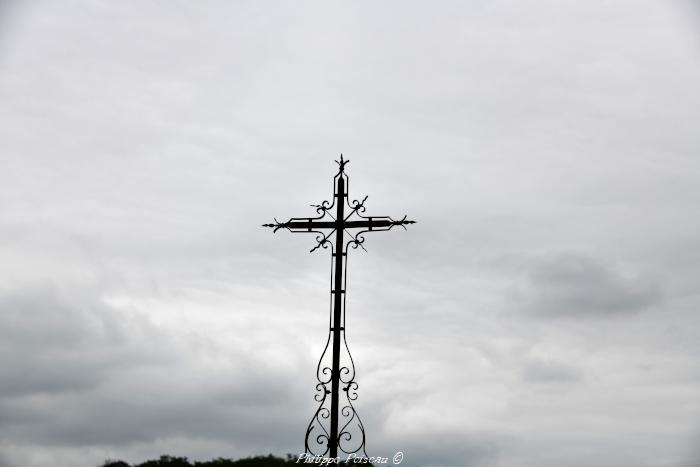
[(339, 225)]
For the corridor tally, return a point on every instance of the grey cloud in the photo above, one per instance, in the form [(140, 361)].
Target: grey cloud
[(550, 371), (580, 285), (54, 342), (448, 448), (82, 373)]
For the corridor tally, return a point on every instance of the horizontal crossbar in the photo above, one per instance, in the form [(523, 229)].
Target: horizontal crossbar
[(315, 225)]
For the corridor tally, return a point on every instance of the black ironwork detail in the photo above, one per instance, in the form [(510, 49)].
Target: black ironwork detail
[(334, 426)]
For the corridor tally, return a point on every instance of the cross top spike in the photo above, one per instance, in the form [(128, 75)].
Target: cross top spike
[(341, 164)]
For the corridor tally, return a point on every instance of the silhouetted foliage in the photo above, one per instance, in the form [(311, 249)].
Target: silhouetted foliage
[(257, 461), (166, 461), (111, 463)]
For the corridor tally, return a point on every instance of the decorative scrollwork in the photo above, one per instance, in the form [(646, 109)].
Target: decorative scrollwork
[(357, 206), (351, 370), (324, 373), (356, 241), (323, 241), (323, 207), (351, 438), (350, 389), (317, 425)]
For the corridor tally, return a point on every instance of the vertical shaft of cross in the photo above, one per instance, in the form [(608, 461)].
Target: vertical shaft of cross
[(337, 316)]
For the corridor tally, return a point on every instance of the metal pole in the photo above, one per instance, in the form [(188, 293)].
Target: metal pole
[(337, 317)]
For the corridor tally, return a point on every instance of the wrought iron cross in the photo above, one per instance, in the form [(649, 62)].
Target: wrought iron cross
[(345, 431)]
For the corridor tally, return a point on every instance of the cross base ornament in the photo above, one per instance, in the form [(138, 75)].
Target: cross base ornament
[(340, 224)]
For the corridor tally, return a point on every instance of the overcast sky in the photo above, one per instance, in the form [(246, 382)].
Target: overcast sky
[(543, 312)]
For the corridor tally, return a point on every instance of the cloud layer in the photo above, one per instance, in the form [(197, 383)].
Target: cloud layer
[(542, 312)]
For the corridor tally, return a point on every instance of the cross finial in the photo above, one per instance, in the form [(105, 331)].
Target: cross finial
[(342, 163)]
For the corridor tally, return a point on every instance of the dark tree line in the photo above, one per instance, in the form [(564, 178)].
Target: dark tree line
[(170, 461), (257, 461)]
